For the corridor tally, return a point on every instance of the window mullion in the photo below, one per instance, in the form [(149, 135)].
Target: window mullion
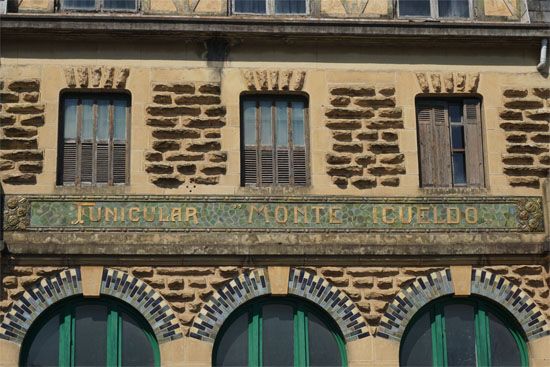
[(254, 337), (258, 144), (94, 140), (290, 139), (482, 337), (79, 118), (112, 338), (274, 143), (110, 144), (300, 338)]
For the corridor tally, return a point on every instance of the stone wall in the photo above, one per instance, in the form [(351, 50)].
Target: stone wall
[(21, 114), (526, 120), (365, 152), (371, 288), (186, 121)]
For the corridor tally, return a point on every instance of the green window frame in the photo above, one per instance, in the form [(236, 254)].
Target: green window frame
[(67, 343), (482, 309), (301, 310)]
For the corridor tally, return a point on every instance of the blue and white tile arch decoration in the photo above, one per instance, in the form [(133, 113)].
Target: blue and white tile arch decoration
[(68, 283), (256, 284), (483, 283)]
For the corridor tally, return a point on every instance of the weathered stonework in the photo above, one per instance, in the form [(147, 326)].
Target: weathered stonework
[(364, 121), (274, 80), (96, 77), (525, 118), (21, 114), (448, 82), (186, 121)]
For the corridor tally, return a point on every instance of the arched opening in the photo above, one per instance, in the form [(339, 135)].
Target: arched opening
[(273, 331), (90, 332), (469, 331)]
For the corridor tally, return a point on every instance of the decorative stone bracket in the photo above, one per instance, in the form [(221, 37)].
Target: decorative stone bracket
[(96, 77), (274, 80), (448, 82)]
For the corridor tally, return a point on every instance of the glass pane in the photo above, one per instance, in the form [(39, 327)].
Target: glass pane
[(458, 136), (265, 113), (416, 349), (232, 349), (250, 6), (298, 127), (90, 335), (120, 119), (70, 118), (455, 112), (44, 350), (419, 8), (282, 123), (290, 6), (454, 8), (79, 4), (278, 335), (136, 347), (459, 168), (460, 335), (249, 116), (119, 4), (504, 349), (87, 119), (323, 347), (103, 120)]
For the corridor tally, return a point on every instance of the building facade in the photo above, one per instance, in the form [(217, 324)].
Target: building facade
[(272, 182)]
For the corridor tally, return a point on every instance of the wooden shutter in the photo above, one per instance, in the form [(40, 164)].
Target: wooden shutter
[(266, 165), (119, 163), (69, 162), (102, 163), (473, 140), (299, 166), (283, 166), (426, 135), (86, 162), (250, 168), (442, 145)]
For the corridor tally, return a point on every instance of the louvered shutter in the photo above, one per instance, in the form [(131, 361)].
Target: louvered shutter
[(86, 162), (102, 163), (69, 162), (425, 143), (119, 163), (250, 168), (283, 166), (266, 165), (442, 145), (299, 166), (473, 143)]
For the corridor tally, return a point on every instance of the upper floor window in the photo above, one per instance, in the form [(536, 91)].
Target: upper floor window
[(450, 142), (94, 130), (435, 8), (99, 5), (270, 6), (274, 140)]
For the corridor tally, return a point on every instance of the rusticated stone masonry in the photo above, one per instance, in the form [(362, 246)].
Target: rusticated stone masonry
[(186, 121), (526, 120), (21, 114), (364, 121)]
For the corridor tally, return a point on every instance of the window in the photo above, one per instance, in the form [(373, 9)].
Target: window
[(274, 140), (279, 332), (450, 142), (94, 148), (98, 5), (270, 6), (84, 332), (434, 8), (462, 332)]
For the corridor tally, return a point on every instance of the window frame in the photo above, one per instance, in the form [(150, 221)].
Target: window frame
[(300, 321), (482, 335), (270, 9), (95, 96), (67, 323), (99, 7), (434, 12), (434, 101), (274, 98)]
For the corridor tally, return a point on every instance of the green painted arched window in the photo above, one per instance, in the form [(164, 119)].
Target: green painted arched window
[(279, 332), (90, 332), (463, 332)]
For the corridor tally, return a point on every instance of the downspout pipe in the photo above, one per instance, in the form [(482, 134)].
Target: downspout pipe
[(543, 63)]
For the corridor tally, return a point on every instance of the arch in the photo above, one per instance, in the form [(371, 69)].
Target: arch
[(68, 283), (301, 283), (483, 283)]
